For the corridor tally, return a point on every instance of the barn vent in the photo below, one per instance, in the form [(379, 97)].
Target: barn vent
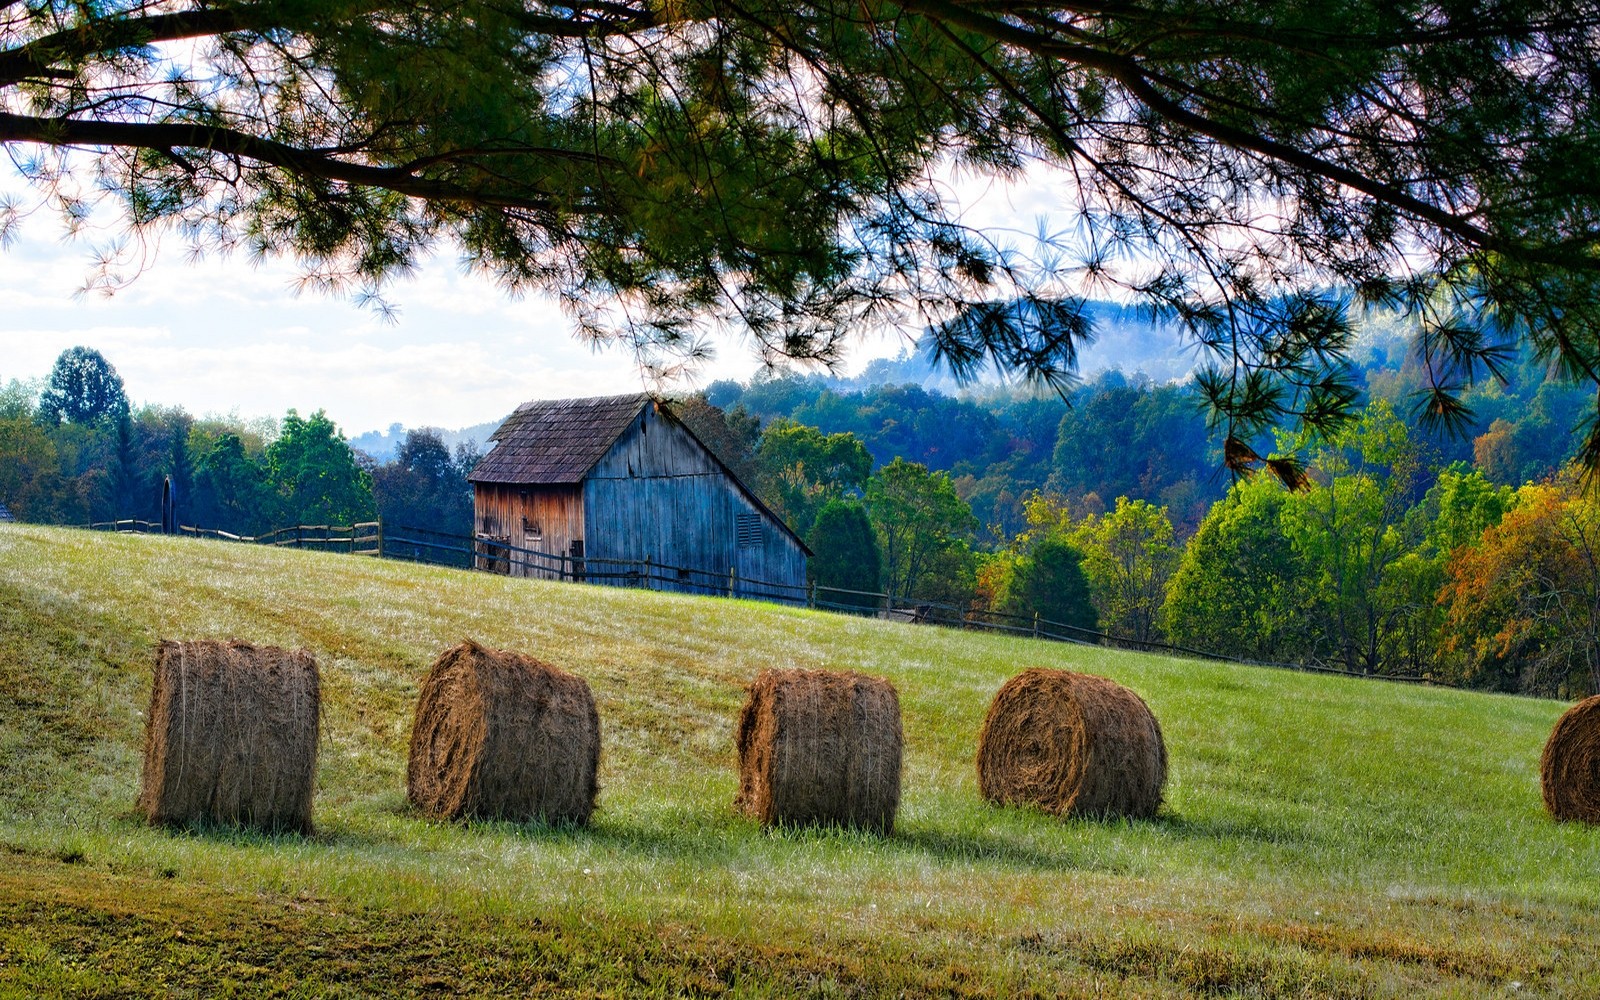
[(749, 530)]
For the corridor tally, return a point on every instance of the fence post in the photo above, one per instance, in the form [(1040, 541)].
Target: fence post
[(647, 572), (811, 595), (731, 579), (380, 536), (1036, 624), (888, 604)]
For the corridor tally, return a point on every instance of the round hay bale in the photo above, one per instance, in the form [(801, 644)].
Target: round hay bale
[(501, 735), (1569, 769), (820, 747), (1071, 744), (231, 737)]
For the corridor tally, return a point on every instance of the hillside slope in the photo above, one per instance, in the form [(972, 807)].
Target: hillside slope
[(1322, 836)]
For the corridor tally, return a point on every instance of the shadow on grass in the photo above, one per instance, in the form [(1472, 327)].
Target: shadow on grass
[(966, 847), (715, 837), (1013, 837), (1234, 830)]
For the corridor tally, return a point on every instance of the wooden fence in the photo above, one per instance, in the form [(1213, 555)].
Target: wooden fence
[(486, 554), (364, 539)]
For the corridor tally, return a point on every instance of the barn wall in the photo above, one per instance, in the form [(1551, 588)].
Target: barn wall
[(658, 494), (510, 512)]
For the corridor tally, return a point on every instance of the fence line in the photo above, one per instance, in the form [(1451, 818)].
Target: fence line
[(376, 539)]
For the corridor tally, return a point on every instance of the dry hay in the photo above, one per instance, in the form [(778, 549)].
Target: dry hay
[(818, 746), (501, 735), (231, 737), (1569, 770), (1071, 744)]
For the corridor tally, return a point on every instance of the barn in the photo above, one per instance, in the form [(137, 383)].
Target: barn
[(615, 489)]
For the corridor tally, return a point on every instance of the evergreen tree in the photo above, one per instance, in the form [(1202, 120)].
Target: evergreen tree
[(778, 165), (845, 555), (1050, 582)]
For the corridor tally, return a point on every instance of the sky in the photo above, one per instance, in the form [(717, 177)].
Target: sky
[(228, 335)]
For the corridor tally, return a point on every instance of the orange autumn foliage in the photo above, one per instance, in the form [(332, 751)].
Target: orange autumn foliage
[(1522, 609)]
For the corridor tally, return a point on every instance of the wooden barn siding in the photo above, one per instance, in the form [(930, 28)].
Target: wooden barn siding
[(498, 510), (658, 494)]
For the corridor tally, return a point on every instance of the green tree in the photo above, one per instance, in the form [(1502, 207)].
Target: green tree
[(424, 486), (28, 469), (1050, 582), (316, 474), (1522, 607), (1241, 588), (663, 166), (1349, 527), (1457, 510), (799, 469), (83, 388), (845, 554), (232, 490), (921, 524), (1128, 556)]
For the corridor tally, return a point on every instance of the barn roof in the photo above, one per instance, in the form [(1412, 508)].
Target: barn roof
[(555, 441)]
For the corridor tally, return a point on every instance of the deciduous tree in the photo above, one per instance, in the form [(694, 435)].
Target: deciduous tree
[(1128, 557), (83, 388), (919, 520), (1241, 587), (799, 469), (1522, 609), (316, 474), (424, 486)]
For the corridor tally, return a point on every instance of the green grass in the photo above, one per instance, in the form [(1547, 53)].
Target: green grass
[(1322, 836)]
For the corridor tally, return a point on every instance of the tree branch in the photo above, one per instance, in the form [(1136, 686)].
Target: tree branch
[(307, 163), (1136, 79)]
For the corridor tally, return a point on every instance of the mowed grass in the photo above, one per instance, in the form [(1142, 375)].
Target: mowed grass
[(1321, 837)]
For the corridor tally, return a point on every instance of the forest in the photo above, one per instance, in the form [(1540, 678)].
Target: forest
[(1471, 559)]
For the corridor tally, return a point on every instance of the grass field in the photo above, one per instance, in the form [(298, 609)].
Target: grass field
[(1322, 836)]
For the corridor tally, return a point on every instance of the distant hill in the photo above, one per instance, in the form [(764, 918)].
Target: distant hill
[(1126, 338), (382, 445)]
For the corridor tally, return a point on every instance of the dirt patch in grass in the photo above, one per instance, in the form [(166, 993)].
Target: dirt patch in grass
[(88, 932)]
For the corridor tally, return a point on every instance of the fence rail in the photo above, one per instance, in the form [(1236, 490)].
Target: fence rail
[(376, 539)]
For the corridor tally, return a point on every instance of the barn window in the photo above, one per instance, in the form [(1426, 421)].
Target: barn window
[(533, 529), (749, 530)]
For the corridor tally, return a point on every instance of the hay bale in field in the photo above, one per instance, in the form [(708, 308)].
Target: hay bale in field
[(231, 737), (1071, 744), (1569, 769), (818, 746), (501, 735)]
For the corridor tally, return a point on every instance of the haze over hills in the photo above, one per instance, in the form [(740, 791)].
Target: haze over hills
[(1126, 338), (382, 445)]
